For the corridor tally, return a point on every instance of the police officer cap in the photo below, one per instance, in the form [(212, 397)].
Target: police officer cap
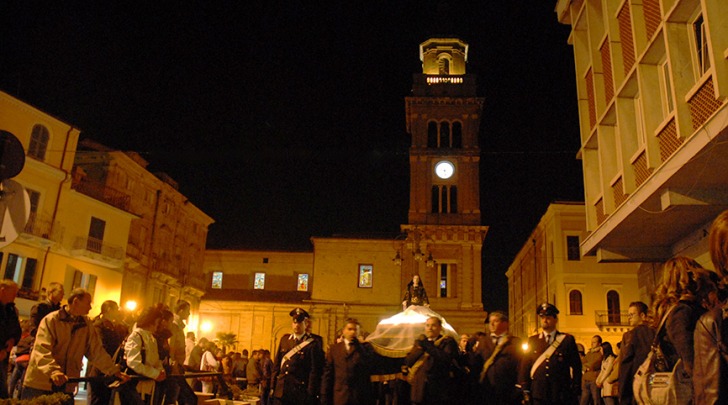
[(299, 314), (547, 309)]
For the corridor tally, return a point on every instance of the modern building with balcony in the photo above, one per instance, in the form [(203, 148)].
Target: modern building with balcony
[(592, 297), (72, 237), (652, 84)]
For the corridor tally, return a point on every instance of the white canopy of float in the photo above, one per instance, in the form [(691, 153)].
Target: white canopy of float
[(395, 336)]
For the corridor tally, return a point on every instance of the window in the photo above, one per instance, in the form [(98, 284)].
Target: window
[(444, 199), (432, 134), (444, 134), (668, 103), (639, 120), (365, 275), (85, 281), (29, 274), (572, 248), (613, 310), (575, 305), (457, 135), (96, 235), (443, 66), (701, 46), (38, 142), (445, 278), (13, 267), (302, 284), (216, 279), (259, 281)]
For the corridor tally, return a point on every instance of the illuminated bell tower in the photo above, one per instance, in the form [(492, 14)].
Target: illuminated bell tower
[(444, 233), (443, 118)]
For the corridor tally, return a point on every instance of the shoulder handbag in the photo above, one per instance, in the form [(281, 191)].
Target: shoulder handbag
[(652, 387)]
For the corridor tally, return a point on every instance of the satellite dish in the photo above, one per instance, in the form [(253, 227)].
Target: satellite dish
[(14, 211), (12, 155)]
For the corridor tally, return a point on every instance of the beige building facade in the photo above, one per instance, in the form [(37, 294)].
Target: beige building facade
[(652, 83), (166, 240), (592, 297), (71, 237)]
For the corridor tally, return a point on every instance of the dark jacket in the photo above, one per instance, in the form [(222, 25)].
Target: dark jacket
[(40, 310), (9, 325), (636, 344), (431, 380), (346, 375), (415, 295), (499, 383), (302, 370), (558, 378), (677, 342), (710, 371)]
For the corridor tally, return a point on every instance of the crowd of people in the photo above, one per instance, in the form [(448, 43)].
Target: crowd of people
[(145, 362)]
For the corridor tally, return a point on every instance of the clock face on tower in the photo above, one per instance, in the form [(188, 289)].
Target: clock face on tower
[(444, 169)]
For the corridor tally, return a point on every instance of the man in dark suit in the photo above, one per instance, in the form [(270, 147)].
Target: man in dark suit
[(550, 372), (635, 347), (430, 362), (298, 364), (347, 370), (497, 358)]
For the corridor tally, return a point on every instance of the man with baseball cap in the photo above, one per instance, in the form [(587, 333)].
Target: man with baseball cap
[(550, 372), (298, 364)]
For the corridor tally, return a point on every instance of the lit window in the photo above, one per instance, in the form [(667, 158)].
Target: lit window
[(302, 282), (365, 275), (259, 283), (216, 279), (13, 267), (445, 275), (85, 281)]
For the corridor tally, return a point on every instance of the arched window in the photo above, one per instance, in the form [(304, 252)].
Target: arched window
[(613, 310), (444, 66), (575, 306), (444, 134), (432, 134), (457, 135), (38, 142)]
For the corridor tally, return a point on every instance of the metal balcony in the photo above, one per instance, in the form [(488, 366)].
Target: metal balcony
[(96, 251), (102, 193), (38, 225), (606, 318)]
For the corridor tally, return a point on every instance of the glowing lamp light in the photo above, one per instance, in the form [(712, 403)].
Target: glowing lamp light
[(130, 305), (205, 327), (524, 347)]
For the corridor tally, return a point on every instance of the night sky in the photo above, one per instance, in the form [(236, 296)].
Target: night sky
[(285, 120)]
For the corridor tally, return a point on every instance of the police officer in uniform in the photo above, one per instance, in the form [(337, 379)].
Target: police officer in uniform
[(550, 372), (298, 364)]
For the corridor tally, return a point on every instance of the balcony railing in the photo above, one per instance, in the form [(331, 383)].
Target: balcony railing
[(606, 318), (102, 193), (38, 225), (87, 243)]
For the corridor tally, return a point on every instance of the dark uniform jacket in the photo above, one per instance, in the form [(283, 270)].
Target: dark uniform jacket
[(557, 380), (499, 383), (431, 380), (636, 344), (346, 375), (300, 376)]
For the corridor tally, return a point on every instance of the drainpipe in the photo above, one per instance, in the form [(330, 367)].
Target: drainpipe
[(58, 199), (152, 235)]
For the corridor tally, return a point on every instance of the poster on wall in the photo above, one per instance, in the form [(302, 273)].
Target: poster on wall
[(365, 275)]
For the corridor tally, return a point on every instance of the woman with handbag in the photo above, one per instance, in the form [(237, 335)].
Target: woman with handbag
[(710, 373), (208, 363), (604, 381), (677, 309)]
